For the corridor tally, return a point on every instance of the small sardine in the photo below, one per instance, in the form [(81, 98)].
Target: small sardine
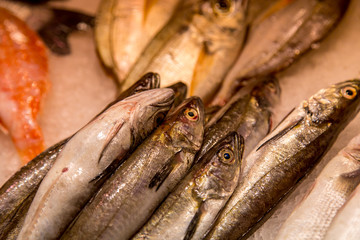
[(345, 224), (189, 210), (312, 216), (138, 186), (286, 155), (277, 41), (198, 45), (87, 157), (249, 116)]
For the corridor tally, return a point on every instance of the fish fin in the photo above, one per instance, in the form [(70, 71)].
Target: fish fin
[(3, 128), (114, 130), (55, 33), (161, 176), (204, 61), (147, 8), (191, 229), (352, 174), (281, 133)]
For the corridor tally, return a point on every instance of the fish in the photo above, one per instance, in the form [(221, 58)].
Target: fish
[(25, 181), (180, 90), (312, 216), (250, 116), (345, 224), (53, 25), (190, 209), (282, 158), (123, 29), (277, 41), (22, 91), (15, 193), (198, 46), (131, 194), (89, 157), (12, 229)]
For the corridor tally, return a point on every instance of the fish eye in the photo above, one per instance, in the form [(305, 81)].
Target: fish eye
[(349, 92), (226, 155), (191, 114), (222, 6)]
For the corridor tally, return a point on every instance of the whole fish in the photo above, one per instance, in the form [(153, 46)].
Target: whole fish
[(249, 116), (312, 216), (24, 183), (345, 224), (102, 144), (198, 45), (52, 24), (138, 186), (286, 155), (189, 210), (180, 90), (23, 82), (124, 28), (277, 41)]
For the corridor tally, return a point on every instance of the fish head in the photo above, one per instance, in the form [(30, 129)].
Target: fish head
[(186, 125), (219, 169), (180, 90), (152, 107), (267, 92), (149, 81), (226, 14), (334, 104)]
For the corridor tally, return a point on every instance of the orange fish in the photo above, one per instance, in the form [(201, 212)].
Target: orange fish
[(23, 82)]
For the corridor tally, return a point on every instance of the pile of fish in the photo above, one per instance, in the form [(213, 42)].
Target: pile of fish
[(196, 159)]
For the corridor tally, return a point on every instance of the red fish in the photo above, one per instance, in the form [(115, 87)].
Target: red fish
[(23, 83)]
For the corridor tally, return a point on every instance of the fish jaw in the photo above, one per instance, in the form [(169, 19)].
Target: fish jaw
[(22, 90)]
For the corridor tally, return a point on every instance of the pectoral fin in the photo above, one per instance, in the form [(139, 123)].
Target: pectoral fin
[(194, 223), (161, 176), (114, 130), (204, 62), (282, 132)]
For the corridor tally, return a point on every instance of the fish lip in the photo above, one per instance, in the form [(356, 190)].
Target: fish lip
[(163, 104)]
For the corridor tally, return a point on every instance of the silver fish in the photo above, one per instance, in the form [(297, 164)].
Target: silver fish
[(130, 196), (77, 172), (286, 155), (24, 182), (197, 46), (312, 216), (189, 210), (277, 41), (345, 224)]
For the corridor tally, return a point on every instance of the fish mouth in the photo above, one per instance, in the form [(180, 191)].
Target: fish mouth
[(168, 95)]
